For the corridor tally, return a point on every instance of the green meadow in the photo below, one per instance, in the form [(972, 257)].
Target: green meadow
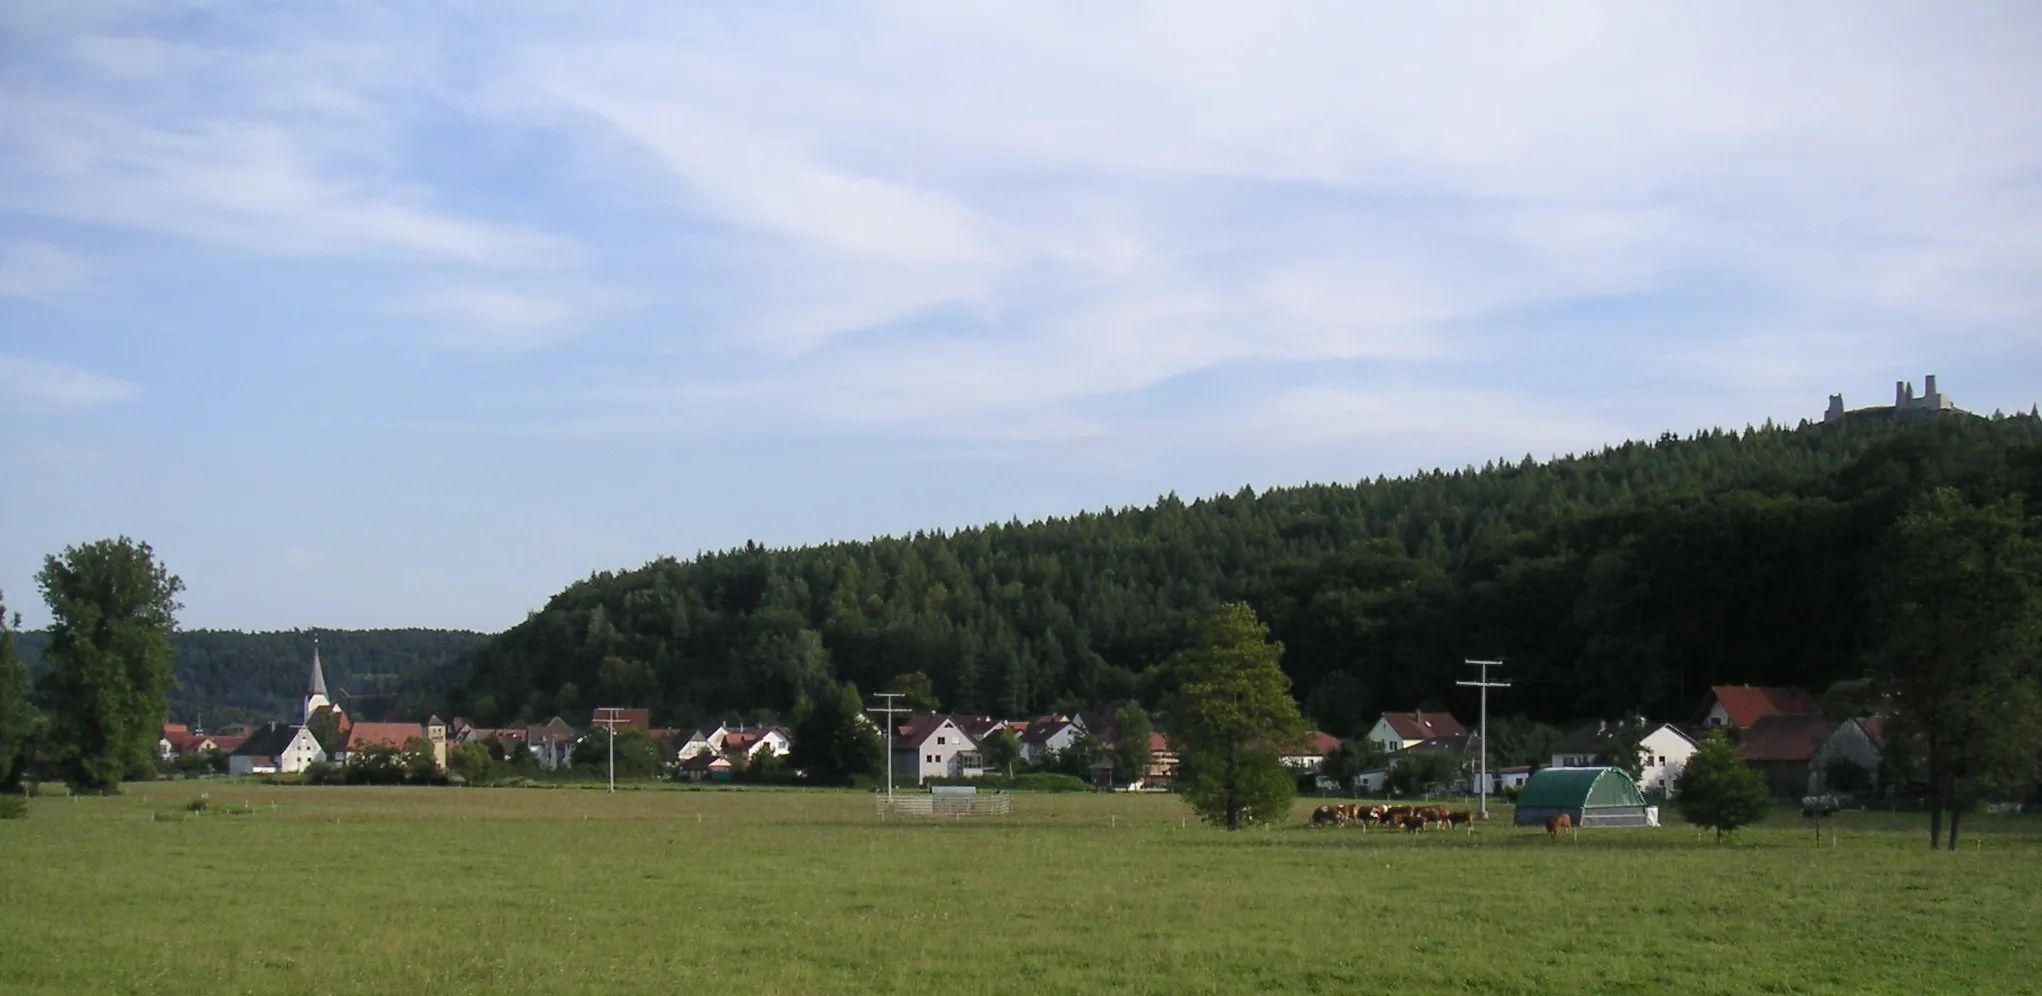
[(293, 889)]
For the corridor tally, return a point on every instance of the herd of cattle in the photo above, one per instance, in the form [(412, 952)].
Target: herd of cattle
[(1410, 819)]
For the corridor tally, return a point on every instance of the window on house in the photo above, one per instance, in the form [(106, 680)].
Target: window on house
[(939, 741), (1662, 759)]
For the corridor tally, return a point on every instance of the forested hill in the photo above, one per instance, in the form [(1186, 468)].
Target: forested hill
[(1632, 578), (225, 676)]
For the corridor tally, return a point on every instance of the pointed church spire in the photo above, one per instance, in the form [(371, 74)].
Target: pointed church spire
[(318, 675), (315, 697)]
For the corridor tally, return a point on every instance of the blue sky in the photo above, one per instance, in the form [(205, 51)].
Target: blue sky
[(411, 314)]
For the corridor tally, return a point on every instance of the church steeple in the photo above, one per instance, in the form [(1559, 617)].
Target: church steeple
[(315, 696)]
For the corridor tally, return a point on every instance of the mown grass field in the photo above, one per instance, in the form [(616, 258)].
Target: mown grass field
[(572, 890)]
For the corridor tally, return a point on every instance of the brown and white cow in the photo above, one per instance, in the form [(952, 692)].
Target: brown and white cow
[(1557, 824)]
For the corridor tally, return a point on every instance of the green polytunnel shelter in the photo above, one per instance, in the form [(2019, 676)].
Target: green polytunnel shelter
[(1590, 797)]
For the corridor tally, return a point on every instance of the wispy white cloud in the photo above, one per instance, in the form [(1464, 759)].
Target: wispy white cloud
[(43, 384), (39, 270), (490, 316)]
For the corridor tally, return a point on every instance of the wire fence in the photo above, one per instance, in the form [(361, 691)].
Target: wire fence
[(945, 804)]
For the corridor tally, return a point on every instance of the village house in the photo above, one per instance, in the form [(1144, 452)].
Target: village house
[(552, 745), (1739, 707), (1782, 748), (177, 740), (1162, 771), (276, 748), (1398, 730), (1662, 752), (1046, 736), (1308, 755), (702, 740), (748, 745), (935, 746), (395, 735), (1860, 743)]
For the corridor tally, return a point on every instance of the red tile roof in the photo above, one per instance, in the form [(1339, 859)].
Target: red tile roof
[(394, 734), (1158, 743), (1785, 738), (1875, 728), (226, 744), (1746, 705), (641, 718), (1319, 744), (1424, 725)]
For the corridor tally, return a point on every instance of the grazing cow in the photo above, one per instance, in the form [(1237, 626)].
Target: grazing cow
[(1460, 818), (1413, 824), (1325, 815), (1557, 824)]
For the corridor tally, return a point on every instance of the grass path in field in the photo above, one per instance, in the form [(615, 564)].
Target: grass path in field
[(512, 891)]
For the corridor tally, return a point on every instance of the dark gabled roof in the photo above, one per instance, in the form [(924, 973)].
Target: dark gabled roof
[(918, 729), (1043, 728), (1459, 743), (270, 740), (1785, 738), (1424, 725), (1594, 738), (978, 727)]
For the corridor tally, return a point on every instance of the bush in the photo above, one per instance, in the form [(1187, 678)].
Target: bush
[(200, 804), (13, 807)]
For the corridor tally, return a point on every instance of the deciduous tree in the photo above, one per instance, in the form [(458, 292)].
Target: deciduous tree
[(1230, 717), (112, 608), (1717, 789), (1956, 645), (1130, 743), (832, 741), (17, 714), (1001, 750)]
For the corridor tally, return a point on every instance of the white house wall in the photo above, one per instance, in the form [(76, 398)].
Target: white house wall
[(1666, 753)]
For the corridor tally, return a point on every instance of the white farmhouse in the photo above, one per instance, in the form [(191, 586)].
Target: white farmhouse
[(1662, 753), (1046, 736), (935, 747), (276, 749), (1398, 730)]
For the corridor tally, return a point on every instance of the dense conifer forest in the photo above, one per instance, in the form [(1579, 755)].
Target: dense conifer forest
[(225, 677), (1627, 579)]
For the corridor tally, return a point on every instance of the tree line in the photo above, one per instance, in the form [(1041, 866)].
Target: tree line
[(226, 677), (1623, 581)]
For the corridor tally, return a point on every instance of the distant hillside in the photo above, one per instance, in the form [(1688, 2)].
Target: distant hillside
[(224, 676), (1629, 578)]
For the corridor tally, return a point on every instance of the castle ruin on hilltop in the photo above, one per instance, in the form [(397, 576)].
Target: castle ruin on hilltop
[(1907, 406)]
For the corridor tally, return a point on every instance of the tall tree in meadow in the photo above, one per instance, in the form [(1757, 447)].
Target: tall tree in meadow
[(112, 608), (1717, 789), (1956, 645), (17, 715), (832, 742), (1130, 743), (1230, 717)]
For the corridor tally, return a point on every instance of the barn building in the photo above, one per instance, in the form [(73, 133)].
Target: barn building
[(1591, 797)]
